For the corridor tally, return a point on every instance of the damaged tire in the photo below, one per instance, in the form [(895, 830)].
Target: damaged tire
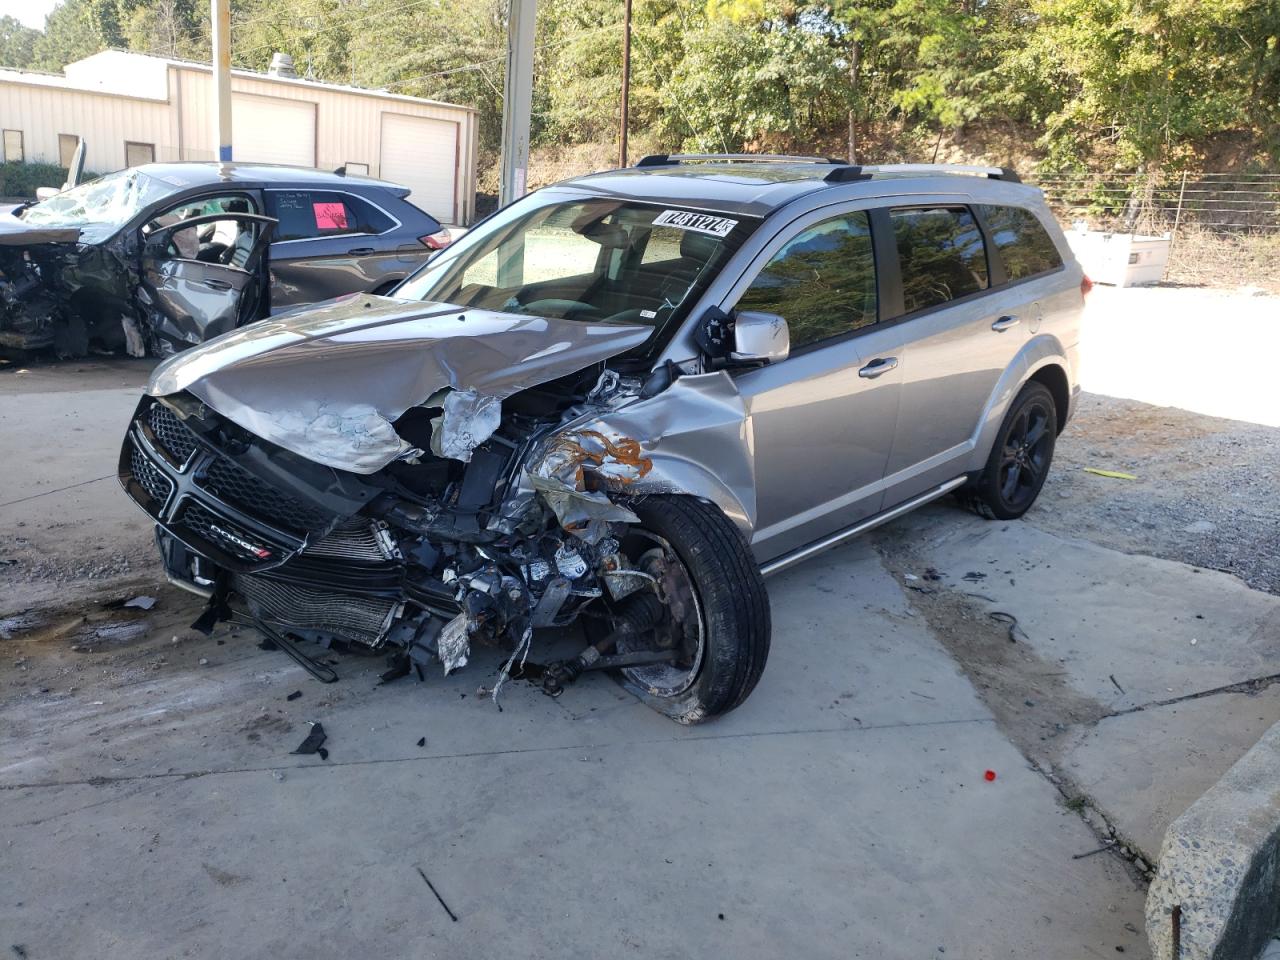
[(728, 617), (1020, 458)]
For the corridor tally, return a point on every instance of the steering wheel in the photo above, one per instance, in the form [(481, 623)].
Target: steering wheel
[(559, 306)]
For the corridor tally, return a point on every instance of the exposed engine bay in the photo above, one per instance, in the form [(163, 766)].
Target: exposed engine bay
[(420, 530)]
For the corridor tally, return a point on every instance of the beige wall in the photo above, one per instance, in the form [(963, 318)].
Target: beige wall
[(105, 121)]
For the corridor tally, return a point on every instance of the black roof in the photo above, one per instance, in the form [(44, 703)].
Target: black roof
[(744, 187), (198, 173)]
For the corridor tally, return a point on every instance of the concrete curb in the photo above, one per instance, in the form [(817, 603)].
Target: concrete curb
[(1216, 894)]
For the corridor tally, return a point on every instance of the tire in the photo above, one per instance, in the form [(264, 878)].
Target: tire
[(1020, 458), (732, 604)]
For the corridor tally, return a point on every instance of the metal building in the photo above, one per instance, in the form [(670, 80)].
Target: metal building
[(131, 108)]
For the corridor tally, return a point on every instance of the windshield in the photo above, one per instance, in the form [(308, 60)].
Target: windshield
[(588, 259), (100, 206)]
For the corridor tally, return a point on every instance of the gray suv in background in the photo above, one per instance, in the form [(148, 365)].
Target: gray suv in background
[(619, 403), (163, 256)]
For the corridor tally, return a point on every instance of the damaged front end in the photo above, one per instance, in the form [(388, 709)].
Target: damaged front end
[(467, 493)]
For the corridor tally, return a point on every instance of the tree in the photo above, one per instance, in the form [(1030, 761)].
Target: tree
[(17, 43)]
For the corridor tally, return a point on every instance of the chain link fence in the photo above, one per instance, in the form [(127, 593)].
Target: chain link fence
[(1224, 227)]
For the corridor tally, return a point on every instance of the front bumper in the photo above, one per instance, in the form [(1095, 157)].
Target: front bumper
[(207, 501)]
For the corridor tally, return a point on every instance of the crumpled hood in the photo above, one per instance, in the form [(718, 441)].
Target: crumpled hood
[(327, 383), (15, 232)]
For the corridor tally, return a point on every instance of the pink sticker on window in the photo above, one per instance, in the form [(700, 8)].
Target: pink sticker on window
[(330, 216)]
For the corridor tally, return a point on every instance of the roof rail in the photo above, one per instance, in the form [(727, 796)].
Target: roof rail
[(993, 173), (668, 159)]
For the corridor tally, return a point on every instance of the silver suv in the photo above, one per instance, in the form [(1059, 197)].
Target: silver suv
[(618, 404)]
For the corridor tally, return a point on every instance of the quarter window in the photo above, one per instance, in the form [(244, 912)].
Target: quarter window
[(308, 214), (823, 282), (941, 255), (1025, 246)]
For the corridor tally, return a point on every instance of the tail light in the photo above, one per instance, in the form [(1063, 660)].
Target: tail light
[(1085, 285), (437, 241)]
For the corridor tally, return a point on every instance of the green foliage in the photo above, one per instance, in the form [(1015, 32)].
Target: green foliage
[(20, 180), (17, 43)]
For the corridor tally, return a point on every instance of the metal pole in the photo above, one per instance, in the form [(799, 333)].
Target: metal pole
[(626, 82), (517, 101), (220, 15), (1177, 217)]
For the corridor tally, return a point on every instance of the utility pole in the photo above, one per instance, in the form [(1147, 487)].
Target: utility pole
[(517, 101), (626, 82), (220, 14)]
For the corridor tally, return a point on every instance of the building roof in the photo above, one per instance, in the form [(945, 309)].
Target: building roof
[(142, 76)]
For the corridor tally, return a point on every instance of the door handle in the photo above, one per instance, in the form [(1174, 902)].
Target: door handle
[(878, 366), (360, 251), (217, 284), (1004, 323)]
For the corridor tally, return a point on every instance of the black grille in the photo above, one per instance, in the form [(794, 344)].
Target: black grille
[(362, 619), (230, 482), (226, 535), (171, 432), (149, 476)]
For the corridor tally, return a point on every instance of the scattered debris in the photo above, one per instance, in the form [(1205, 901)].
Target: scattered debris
[(1117, 684), (1102, 849), (18, 949), (973, 576), (314, 743), (204, 661), (989, 776), (452, 916), (1001, 617), (295, 695), (1113, 474), (422, 741), (277, 775)]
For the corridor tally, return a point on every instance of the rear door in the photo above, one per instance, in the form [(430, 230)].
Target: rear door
[(330, 243), (822, 421), (187, 300), (961, 332)]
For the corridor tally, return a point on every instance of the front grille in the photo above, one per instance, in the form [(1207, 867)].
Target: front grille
[(227, 536), (149, 476), (352, 540), (171, 433), (364, 620), (230, 482)]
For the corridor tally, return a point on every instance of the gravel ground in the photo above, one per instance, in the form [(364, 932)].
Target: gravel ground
[(1206, 493)]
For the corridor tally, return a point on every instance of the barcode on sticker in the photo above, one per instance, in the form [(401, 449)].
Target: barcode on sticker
[(698, 222)]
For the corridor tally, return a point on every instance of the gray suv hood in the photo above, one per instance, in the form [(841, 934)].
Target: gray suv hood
[(327, 383)]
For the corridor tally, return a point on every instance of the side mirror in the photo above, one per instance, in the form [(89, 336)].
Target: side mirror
[(44, 193), (760, 338)]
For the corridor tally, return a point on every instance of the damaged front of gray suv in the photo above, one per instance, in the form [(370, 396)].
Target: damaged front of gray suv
[(583, 413)]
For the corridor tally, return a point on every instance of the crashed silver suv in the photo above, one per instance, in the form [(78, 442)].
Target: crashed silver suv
[(619, 403)]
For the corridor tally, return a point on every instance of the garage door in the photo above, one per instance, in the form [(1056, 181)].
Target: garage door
[(266, 130), (422, 154)]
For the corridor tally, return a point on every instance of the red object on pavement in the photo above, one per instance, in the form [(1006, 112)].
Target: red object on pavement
[(989, 776)]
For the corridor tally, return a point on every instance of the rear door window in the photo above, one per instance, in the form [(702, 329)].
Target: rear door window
[(309, 214), (823, 282), (1025, 246), (940, 253)]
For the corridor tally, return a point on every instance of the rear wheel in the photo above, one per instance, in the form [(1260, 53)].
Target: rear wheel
[(716, 618), (1020, 458)]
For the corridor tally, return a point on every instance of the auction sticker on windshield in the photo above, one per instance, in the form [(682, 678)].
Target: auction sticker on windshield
[(699, 222)]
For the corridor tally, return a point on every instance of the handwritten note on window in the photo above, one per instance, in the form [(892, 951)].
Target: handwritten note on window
[(330, 216)]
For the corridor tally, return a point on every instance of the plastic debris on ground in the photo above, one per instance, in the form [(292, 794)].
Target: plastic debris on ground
[(314, 743), (1113, 474)]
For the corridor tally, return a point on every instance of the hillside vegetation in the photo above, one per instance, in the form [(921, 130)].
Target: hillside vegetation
[(1117, 85)]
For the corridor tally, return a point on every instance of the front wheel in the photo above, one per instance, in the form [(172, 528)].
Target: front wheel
[(1020, 457), (717, 610)]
